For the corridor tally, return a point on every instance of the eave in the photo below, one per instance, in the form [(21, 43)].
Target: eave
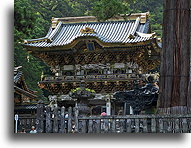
[(24, 92), (103, 44)]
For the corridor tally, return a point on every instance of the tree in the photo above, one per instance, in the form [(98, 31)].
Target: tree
[(155, 7), (105, 9), (27, 24), (175, 58)]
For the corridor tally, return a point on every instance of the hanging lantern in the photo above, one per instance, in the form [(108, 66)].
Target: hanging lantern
[(42, 76), (28, 58)]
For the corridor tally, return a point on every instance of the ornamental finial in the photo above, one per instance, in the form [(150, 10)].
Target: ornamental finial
[(87, 30)]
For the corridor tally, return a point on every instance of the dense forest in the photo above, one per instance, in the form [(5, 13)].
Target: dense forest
[(32, 19)]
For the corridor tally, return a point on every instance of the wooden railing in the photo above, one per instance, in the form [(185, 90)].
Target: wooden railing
[(55, 121), (26, 123), (92, 77), (135, 124)]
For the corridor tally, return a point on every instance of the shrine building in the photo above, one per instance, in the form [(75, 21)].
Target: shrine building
[(98, 57), (25, 99)]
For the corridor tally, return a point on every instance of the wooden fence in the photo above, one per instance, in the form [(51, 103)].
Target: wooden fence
[(60, 121)]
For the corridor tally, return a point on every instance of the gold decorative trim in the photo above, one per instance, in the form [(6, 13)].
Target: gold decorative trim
[(87, 30), (101, 43), (54, 22), (131, 36)]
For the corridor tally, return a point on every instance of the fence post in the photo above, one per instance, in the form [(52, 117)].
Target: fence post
[(145, 128), (48, 120), (128, 126), (165, 125), (170, 125), (28, 125), (55, 125), (122, 125), (184, 125), (62, 120), (84, 126), (137, 125), (98, 126), (76, 111), (90, 126), (113, 126), (161, 128), (177, 126), (69, 119), (40, 117), (153, 125), (106, 125)]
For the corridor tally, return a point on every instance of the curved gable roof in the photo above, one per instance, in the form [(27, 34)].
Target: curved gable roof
[(113, 32)]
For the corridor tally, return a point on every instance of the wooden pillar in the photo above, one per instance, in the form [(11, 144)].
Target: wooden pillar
[(108, 107), (113, 108), (126, 110), (175, 58), (131, 110)]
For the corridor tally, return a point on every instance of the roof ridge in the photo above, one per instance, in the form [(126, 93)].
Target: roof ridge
[(120, 21), (85, 19)]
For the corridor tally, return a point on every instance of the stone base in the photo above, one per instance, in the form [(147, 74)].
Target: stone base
[(174, 110)]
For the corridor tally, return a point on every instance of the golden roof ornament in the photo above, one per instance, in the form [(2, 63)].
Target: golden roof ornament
[(131, 36), (87, 30)]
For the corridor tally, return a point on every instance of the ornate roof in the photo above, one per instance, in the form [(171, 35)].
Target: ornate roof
[(20, 85), (17, 74), (116, 33)]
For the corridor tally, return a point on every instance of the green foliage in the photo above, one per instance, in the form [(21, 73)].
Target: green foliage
[(27, 24), (155, 7), (105, 9), (80, 89)]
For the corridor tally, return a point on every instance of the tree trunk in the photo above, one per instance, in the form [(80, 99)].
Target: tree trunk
[(175, 58)]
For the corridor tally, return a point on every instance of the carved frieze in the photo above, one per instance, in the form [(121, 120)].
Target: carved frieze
[(98, 87)]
